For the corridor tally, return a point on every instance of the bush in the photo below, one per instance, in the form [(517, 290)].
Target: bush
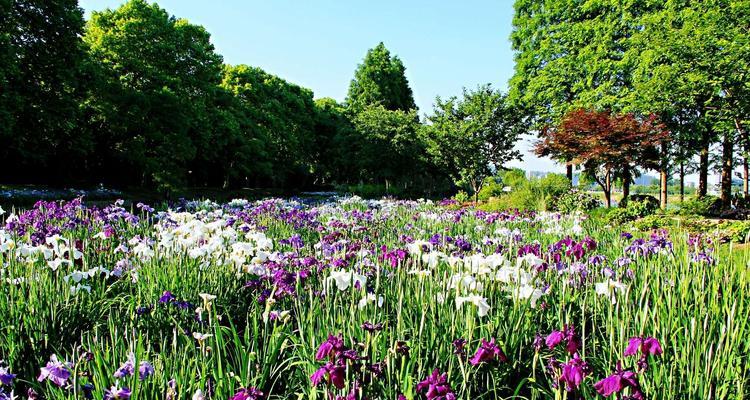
[(655, 221), (633, 208), (576, 200), (493, 187), (648, 203), (462, 197), (704, 206)]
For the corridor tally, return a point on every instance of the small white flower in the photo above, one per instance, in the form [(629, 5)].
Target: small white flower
[(201, 337), (198, 395), (482, 306), (610, 288), (344, 279), (370, 298)]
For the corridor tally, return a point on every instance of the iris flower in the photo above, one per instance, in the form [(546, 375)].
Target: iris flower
[(617, 382), (6, 378), (488, 351), (330, 347), (646, 345), (56, 371), (573, 372), (248, 394), (115, 393), (568, 335), (436, 387)]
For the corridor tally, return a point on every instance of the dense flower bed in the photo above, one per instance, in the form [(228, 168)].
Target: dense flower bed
[(354, 299)]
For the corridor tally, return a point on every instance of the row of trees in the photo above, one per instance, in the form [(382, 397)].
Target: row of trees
[(683, 63), (137, 97)]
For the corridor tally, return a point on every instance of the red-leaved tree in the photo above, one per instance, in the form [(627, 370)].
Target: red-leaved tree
[(606, 145)]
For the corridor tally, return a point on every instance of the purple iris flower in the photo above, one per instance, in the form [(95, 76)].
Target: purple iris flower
[(115, 393), (335, 373), (568, 335), (436, 387), (6, 378), (127, 368), (330, 347), (370, 327), (88, 391), (145, 369), (573, 372), (488, 351), (617, 382), (248, 394), (646, 345), (166, 297), (56, 371)]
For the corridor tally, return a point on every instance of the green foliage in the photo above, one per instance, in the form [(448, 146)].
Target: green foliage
[(157, 82), (388, 146), (577, 200), (703, 206), (284, 115), (462, 197), (536, 194), (380, 81), (647, 203), (635, 207), (473, 136), (492, 187), (42, 84)]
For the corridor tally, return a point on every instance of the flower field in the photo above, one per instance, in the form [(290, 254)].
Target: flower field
[(354, 299)]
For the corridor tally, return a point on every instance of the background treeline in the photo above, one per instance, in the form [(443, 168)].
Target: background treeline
[(683, 63), (137, 97)]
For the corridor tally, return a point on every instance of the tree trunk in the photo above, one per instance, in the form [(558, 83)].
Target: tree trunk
[(569, 172), (664, 176), (608, 189), (745, 146), (703, 167), (663, 191), (727, 149), (682, 181), (745, 177), (626, 177)]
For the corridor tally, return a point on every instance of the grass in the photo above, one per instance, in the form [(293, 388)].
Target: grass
[(698, 311)]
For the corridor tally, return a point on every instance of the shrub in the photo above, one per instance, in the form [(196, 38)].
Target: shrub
[(576, 200), (704, 206), (648, 203), (636, 207), (655, 221), (462, 197), (493, 187)]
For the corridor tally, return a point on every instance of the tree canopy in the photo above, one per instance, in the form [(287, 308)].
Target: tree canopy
[(474, 136), (380, 80)]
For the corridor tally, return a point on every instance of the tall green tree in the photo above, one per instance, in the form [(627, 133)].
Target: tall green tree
[(475, 136), (692, 61), (335, 143), (286, 115), (157, 79), (380, 80), (388, 149), (41, 53)]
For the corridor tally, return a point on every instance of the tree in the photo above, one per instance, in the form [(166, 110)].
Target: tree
[(380, 80), (284, 112), (158, 78), (691, 61), (388, 147), (336, 145), (606, 145), (41, 53), (475, 136)]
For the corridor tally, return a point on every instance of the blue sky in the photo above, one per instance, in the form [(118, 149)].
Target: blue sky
[(445, 45)]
